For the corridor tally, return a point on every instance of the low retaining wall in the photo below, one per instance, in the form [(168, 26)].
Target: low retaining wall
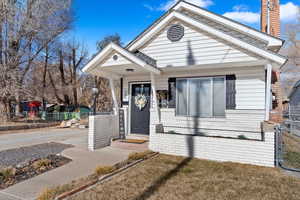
[(102, 128), (219, 149), (28, 126)]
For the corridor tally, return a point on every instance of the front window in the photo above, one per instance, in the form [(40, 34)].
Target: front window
[(200, 97)]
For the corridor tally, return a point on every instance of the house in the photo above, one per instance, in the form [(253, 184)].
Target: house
[(294, 97), (294, 109), (197, 83)]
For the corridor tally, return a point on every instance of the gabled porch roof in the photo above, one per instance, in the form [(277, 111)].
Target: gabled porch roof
[(138, 63)]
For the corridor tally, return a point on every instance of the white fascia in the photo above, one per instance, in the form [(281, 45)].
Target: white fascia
[(113, 47), (272, 41)]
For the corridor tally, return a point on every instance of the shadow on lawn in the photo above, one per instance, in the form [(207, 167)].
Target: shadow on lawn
[(189, 140), (162, 180), (168, 175)]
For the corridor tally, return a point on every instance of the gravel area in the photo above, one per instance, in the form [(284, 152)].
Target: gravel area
[(18, 156)]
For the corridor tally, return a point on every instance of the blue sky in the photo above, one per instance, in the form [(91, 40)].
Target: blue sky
[(97, 18)]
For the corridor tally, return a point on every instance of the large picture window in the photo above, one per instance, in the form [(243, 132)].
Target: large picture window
[(201, 97)]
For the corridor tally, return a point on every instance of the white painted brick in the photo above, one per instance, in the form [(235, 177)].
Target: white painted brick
[(219, 149), (102, 128)]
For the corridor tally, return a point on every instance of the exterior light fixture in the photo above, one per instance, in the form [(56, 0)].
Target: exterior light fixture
[(95, 92), (129, 70)]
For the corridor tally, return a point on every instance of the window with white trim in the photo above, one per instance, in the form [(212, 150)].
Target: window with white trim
[(201, 97)]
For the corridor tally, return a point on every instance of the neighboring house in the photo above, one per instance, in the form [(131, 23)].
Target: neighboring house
[(294, 98), (198, 84), (294, 109)]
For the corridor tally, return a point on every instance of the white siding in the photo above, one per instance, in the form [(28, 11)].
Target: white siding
[(195, 48), (120, 61), (250, 83), (236, 123)]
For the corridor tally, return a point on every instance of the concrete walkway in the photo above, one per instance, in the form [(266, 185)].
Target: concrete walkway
[(83, 162)]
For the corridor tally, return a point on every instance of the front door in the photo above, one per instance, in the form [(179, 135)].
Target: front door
[(140, 108)]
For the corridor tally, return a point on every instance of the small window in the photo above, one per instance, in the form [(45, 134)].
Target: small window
[(201, 97)]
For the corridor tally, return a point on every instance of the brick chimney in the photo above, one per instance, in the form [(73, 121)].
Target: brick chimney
[(277, 107), (274, 17)]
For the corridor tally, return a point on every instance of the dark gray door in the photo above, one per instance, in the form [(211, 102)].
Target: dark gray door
[(140, 108)]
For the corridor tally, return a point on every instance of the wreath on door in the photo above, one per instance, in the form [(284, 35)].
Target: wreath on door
[(140, 101)]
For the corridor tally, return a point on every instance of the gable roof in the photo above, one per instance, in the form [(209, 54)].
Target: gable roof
[(236, 29), (295, 87), (136, 59), (209, 29), (234, 25)]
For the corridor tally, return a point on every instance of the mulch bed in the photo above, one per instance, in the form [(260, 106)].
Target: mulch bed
[(30, 170), (22, 155)]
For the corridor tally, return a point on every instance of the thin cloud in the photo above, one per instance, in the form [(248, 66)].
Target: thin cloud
[(241, 13), (289, 12), (244, 16)]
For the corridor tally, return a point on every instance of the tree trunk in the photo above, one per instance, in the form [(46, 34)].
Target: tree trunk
[(4, 115), (1, 43), (18, 102), (44, 77), (74, 78)]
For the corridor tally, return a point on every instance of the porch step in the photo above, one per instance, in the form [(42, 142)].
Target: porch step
[(130, 146)]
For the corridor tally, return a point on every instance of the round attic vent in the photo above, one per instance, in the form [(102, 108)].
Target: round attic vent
[(175, 32), (115, 57)]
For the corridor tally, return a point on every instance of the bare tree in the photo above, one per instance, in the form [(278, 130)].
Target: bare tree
[(290, 72), (26, 28)]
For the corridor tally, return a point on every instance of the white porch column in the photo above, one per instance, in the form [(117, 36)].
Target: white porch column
[(154, 94), (268, 103), (114, 96)]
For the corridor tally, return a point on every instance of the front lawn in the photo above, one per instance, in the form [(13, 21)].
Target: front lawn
[(169, 177)]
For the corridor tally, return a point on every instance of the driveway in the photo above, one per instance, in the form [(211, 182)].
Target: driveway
[(77, 137), (83, 161)]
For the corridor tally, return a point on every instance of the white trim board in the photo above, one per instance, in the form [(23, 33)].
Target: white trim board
[(129, 104), (272, 41), (113, 47)]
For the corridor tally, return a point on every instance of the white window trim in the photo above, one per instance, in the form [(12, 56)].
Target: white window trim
[(212, 97)]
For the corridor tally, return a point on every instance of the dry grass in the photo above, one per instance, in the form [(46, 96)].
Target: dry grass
[(42, 163), (168, 177), (139, 155), (292, 142), (292, 151), (51, 193), (6, 173), (102, 170)]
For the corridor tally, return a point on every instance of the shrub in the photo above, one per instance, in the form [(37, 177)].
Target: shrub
[(242, 137), (102, 170), (139, 155), (41, 163), (51, 193), (171, 132), (47, 194), (7, 173)]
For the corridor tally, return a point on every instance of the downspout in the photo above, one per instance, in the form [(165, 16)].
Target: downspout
[(121, 92), (268, 17), (268, 92)]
